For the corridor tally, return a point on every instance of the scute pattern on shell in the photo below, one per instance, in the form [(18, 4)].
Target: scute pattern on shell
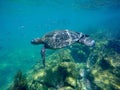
[(59, 39)]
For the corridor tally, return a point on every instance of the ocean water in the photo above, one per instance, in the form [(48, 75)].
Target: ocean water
[(23, 20)]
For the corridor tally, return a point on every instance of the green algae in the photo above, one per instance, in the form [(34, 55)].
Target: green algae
[(56, 76), (106, 62), (20, 82)]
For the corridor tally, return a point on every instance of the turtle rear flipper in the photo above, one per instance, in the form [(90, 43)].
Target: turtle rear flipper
[(86, 40), (43, 55)]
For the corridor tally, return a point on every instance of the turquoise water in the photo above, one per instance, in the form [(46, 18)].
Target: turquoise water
[(23, 20)]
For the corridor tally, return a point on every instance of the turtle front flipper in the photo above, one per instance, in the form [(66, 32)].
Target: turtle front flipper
[(43, 55)]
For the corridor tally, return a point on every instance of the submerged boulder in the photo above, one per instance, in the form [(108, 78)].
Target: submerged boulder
[(55, 77), (104, 64), (20, 82)]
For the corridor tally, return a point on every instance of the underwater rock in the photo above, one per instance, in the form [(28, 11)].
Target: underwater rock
[(80, 53), (59, 56), (40, 74), (107, 61), (91, 61), (20, 82), (54, 77), (86, 80), (105, 64), (66, 88), (106, 80), (71, 81), (37, 86), (85, 83)]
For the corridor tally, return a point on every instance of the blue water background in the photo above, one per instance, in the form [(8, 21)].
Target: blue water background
[(23, 20)]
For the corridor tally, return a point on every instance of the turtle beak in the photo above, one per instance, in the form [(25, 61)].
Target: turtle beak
[(36, 41)]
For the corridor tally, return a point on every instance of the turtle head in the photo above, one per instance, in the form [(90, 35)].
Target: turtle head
[(86, 40), (37, 41)]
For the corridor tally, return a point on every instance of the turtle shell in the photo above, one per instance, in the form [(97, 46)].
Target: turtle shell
[(59, 39)]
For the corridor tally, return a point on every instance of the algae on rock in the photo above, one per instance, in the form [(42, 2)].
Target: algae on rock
[(20, 82), (56, 76)]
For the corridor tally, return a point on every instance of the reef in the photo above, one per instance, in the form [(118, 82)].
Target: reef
[(76, 68)]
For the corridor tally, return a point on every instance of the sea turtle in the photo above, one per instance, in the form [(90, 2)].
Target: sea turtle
[(61, 38)]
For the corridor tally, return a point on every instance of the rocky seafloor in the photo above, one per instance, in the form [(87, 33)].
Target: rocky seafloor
[(76, 68)]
